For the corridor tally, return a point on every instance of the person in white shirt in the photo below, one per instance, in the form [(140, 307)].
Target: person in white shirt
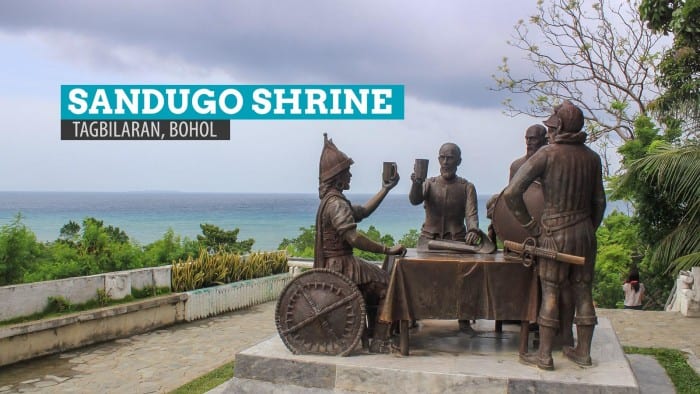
[(634, 291)]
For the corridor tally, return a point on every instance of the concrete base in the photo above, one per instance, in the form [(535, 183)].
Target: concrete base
[(441, 360), (37, 338)]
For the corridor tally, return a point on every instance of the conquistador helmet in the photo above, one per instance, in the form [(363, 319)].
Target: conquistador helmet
[(567, 118), (333, 161)]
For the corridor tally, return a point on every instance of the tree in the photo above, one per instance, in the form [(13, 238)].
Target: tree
[(679, 70), (674, 173), (655, 215), (602, 59), (376, 236), (169, 248), (18, 251), (220, 240), (302, 245), (618, 251), (69, 232), (410, 239)]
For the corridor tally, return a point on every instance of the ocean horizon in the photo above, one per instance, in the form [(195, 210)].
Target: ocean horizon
[(145, 216)]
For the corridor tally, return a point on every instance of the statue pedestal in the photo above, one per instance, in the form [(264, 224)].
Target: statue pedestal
[(441, 360), (686, 299)]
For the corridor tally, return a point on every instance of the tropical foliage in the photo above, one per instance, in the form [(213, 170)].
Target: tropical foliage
[(606, 58), (674, 172), (679, 69), (217, 239), (618, 243), (303, 244), (19, 251), (225, 267), (94, 247)]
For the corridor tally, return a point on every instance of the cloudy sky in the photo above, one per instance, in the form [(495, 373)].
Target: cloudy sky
[(444, 53)]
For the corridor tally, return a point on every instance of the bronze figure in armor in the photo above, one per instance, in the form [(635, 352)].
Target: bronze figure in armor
[(574, 203), (336, 235)]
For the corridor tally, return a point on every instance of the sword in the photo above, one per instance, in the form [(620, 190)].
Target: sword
[(527, 250)]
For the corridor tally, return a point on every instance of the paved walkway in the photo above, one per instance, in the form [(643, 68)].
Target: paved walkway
[(163, 360), (657, 329), (156, 362)]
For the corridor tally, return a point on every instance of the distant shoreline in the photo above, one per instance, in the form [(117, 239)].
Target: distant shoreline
[(146, 216)]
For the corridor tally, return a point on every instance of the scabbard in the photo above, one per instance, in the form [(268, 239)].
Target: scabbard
[(546, 253)]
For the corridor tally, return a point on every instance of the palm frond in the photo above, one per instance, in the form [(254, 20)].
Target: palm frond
[(677, 249), (676, 170), (686, 262)]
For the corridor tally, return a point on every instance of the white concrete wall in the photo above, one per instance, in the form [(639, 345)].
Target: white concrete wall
[(156, 276), (29, 298)]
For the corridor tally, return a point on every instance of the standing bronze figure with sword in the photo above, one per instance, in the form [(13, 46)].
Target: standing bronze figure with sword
[(574, 203)]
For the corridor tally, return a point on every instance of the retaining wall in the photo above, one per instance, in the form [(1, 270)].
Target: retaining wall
[(38, 338), (30, 298)]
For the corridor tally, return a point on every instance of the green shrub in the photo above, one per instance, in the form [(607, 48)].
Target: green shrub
[(168, 249), (19, 251), (225, 267), (303, 244), (57, 304), (410, 239), (103, 298), (149, 291), (618, 244)]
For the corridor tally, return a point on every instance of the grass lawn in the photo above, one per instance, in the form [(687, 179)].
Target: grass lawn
[(207, 382), (683, 376)]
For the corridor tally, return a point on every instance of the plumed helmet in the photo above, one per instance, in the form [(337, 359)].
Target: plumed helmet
[(333, 161), (567, 118)]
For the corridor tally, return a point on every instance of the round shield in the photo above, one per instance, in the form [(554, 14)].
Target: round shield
[(320, 312), (505, 224)]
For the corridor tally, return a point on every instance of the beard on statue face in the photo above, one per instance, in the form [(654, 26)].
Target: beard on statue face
[(448, 172), (343, 181), (531, 149)]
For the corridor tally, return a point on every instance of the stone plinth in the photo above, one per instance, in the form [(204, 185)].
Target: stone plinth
[(442, 360)]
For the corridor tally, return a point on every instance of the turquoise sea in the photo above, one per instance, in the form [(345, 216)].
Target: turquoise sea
[(146, 216)]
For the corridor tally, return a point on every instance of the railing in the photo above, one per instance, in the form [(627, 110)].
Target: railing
[(211, 301), (298, 265)]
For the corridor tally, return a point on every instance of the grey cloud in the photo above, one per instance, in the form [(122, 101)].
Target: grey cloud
[(442, 51)]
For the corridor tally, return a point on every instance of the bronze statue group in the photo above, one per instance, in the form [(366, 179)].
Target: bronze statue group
[(570, 177)]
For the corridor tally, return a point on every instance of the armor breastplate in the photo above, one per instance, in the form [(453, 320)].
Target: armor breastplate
[(333, 244)]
